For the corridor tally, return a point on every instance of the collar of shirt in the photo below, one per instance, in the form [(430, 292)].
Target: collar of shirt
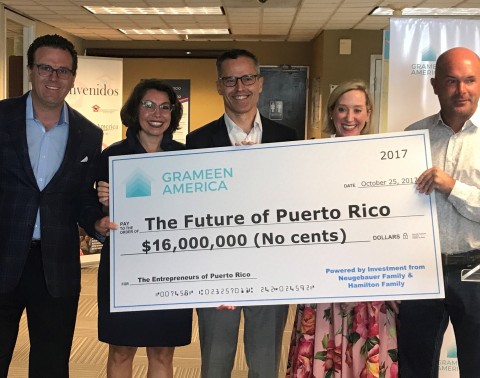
[(472, 122), (237, 135), (63, 120), (45, 149)]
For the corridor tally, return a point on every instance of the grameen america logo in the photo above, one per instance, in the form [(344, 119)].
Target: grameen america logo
[(448, 362), (138, 184), (427, 65)]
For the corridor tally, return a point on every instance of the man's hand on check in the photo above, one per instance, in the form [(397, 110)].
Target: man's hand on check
[(435, 179)]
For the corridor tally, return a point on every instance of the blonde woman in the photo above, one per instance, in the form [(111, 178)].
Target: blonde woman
[(345, 340)]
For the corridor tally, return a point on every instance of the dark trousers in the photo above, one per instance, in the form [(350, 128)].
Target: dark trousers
[(51, 323), (423, 324), (263, 332)]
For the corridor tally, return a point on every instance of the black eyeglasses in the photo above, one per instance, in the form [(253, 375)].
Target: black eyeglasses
[(151, 107), (46, 70), (231, 81)]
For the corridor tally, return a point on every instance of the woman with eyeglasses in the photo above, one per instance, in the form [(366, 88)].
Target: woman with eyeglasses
[(152, 114)]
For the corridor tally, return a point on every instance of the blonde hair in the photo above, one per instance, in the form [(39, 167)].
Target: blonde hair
[(338, 92)]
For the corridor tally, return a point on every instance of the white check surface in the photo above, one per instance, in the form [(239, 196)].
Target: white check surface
[(309, 221)]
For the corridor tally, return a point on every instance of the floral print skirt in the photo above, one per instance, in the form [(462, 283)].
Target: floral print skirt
[(344, 340)]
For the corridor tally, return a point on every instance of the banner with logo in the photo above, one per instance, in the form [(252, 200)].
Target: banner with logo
[(415, 45), (97, 94), (182, 89), (448, 364)]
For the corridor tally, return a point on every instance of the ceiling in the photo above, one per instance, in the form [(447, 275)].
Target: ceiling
[(248, 20)]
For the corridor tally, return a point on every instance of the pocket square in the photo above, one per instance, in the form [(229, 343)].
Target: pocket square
[(84, 160)]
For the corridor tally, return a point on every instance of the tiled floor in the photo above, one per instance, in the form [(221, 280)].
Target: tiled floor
[(89, 356)]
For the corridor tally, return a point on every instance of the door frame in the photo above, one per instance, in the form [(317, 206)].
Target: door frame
[(28, 37)]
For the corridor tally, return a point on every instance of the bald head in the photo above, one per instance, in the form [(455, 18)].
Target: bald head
[(457, 85), (455, 56)]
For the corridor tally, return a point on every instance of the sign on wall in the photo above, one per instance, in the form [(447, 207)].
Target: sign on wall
[(284, 96), (97, 94)]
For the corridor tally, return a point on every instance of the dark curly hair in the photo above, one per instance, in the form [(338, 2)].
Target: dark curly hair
[(130, 110), (56, 41)]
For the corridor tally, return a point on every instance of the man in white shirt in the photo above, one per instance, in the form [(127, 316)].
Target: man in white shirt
[(455, 179)]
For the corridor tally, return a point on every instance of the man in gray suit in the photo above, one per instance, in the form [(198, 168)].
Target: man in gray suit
[(48, 161), (240, 84)]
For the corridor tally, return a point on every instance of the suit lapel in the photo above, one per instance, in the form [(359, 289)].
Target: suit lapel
[(71, 149), (268, 131), (18, 131), (220, 135)]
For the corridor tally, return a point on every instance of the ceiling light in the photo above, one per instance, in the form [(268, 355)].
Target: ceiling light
[(169, 11), (382, 11), (174, 31)]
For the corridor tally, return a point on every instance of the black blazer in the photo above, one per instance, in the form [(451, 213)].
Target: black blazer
[(215, 134), (68, 199)]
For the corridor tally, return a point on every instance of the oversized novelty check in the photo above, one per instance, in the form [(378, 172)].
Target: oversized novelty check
[(300, 222)]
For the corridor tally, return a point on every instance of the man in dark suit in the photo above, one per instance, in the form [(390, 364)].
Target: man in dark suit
[(240, 84), (48, 161)]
